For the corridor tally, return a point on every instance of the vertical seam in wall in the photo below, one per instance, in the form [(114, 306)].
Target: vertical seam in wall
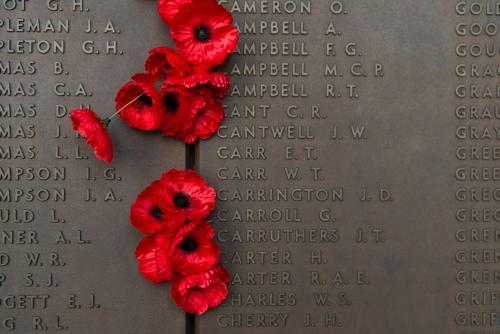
[(192, 162), (190, 324), (191, 156)]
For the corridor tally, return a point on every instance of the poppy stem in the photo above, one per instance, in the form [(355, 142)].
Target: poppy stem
[(125, 106)]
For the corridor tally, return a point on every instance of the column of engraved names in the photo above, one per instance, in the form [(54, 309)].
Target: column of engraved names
[(275, 170), (477, 113), (259, 231), (351, 74), (40, 174)]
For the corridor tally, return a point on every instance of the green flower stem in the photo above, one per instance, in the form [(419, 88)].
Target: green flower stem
[(107, 120)]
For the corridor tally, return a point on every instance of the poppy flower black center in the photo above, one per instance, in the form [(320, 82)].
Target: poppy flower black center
[(189, 245), (146, 100), (202, 33), (171, 102), (181, 200), (156, 212)]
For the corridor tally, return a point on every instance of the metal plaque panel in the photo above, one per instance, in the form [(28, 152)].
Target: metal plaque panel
[(357, 169), (67, 263)]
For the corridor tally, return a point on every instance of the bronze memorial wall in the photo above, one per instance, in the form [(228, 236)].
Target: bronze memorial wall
[(67, 245), (357, 169)]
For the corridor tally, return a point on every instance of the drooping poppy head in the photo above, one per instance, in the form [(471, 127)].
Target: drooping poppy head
[(93, 129)]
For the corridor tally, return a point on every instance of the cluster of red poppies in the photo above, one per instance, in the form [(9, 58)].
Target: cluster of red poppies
[(188, 105), (172, 211), (180, 93)]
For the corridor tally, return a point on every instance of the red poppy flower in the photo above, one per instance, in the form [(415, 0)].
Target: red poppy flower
[(154, 258), (165, 62), (168, 9), (203, 32), (151, 213), (93, 129), (217, 82), (199, 292), (207, 120), (188, 198), (181, 107), (140, 102), (195, 251)]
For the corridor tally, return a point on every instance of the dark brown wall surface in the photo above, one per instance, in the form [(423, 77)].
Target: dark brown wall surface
[(104, 268), (418, 268), (415, 112)]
